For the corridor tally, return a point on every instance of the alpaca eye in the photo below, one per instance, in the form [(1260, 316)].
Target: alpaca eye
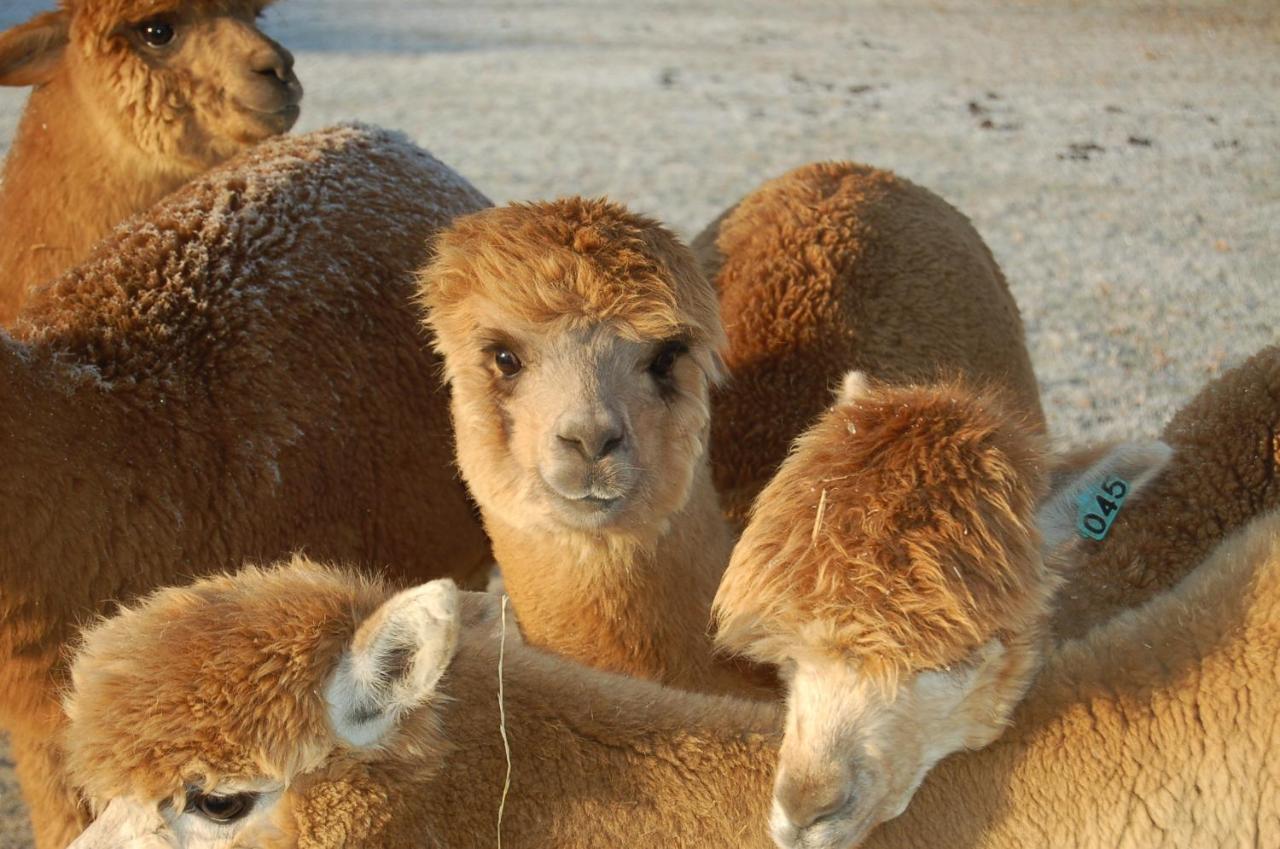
[(156, 33), (221, 808), (665, 361), (507, 362)]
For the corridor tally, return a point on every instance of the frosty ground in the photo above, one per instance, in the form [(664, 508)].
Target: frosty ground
[(1121, 159)]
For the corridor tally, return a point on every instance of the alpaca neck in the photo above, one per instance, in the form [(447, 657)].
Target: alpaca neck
[(596, 759), (67, 181), (636, 606)]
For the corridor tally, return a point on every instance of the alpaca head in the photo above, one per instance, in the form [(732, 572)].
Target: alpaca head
[(580, 341), (894, 571), (179, 85), (236, 710)]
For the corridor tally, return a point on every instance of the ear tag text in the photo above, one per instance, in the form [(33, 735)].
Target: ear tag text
[(1098, 506)]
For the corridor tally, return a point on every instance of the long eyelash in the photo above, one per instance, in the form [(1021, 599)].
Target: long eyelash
[(492, 340)]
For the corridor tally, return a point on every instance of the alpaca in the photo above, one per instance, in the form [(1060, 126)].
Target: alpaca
[(1225, 470), (239, 376), (132, 98), (579, 342), (891, 544), (243, 708), (836, 266)]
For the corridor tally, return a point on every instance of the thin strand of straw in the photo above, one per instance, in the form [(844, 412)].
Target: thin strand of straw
[(502, 719)]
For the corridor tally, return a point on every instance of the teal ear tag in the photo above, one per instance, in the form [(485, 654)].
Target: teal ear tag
[(1098, 506)]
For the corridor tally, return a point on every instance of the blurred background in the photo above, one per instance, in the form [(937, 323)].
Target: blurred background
[(1122, 159)]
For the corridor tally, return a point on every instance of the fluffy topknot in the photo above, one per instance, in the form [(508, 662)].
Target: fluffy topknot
[(572, 259), (900, 534), (218, 679)]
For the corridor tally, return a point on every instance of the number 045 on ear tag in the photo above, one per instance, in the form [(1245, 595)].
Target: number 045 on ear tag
[(1098, 507)]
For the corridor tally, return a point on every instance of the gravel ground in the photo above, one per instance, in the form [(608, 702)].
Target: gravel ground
[(1122, 159)]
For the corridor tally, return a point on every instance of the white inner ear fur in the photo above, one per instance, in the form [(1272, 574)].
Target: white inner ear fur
[(854, 386), (125, 824), (394, 663)]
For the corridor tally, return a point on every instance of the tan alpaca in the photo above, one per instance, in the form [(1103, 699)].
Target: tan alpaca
[(580, 341), (132, 98), (891, 555), (239, 377), (836, 266), (265, 697)]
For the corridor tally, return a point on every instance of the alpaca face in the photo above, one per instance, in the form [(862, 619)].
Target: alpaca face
[(856, 749), (178, 87), (576, 427)]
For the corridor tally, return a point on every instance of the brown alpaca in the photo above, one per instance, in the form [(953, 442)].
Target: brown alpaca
[(837, 266), (132, 98), (894, 548), (580, 341), (1225, 471), (287, 689), (240, 376)]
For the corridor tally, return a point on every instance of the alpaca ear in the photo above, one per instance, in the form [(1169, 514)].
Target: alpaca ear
[(124, 822), (1083, 506), (394, 662), (31, 52), (853, 386)]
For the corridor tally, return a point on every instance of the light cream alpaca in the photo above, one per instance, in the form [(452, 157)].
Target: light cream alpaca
[(132, 98), (304, 707)]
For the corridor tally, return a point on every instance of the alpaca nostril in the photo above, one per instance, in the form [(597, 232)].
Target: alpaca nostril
[(572, 442), (274, 71), (813, 811), (275, 63), (592, 446), (611, 444)]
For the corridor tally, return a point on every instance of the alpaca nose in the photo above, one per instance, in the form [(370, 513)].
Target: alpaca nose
[(273, 61), (594, 435), (805, 804)]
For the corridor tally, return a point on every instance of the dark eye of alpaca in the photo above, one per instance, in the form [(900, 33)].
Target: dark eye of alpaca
[(665, 361), (221, 809), (507, 362), (157, 32)]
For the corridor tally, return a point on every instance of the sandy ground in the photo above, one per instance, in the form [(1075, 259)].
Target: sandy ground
[(1121, 159)]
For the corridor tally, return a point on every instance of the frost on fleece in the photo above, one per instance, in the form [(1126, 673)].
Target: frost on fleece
[(237, 374)]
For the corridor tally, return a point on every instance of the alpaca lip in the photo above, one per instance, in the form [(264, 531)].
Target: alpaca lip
[(586, 505), (286, 114), (592, 503), (834, 830), (597, 501)]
